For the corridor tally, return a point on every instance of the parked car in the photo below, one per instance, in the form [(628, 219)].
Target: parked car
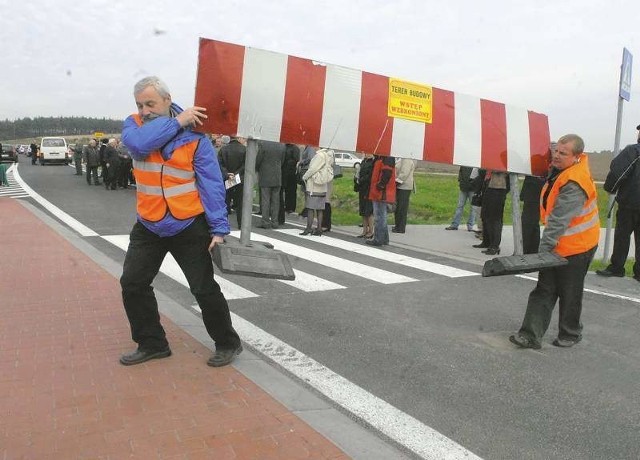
[(54, 150), (346, 159), (8, 153)]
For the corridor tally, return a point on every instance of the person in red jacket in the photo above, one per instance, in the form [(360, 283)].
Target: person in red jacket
[(382, 191)]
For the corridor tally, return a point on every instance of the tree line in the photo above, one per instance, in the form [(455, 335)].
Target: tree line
[(57, 126)]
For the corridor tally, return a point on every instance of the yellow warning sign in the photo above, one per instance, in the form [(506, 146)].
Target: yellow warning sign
[(410, 101), (98, 134)]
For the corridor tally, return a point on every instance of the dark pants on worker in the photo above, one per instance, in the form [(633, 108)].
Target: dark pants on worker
[(92, 171), (141, 265), (627, 222), (530, 227), (270, 205), (491, 214), (402, 208), (565, 283)]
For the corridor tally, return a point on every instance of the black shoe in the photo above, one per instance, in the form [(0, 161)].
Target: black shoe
[(492, 251), (372, 242), (316, 232), (608, 273), (451, 227), (141, 356), (524, 342), (223, 357), (564, 343), (265, 226), (481, 245), (307, 231), (395, 230)]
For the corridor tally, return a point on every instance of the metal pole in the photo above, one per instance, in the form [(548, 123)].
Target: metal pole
[(518, 248), (247, 192), (612, 197)]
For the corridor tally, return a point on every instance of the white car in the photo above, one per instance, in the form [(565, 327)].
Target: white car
[(346, 159)]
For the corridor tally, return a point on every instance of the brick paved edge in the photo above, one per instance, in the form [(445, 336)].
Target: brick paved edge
[(355, 440)]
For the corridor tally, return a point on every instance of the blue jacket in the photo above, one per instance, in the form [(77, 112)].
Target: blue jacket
[(165, 133)]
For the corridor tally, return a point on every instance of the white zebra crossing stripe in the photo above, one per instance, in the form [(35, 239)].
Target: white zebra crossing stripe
[(171, 268), (304, 281), (13, 190), (336, 263), (400, 259), (311, 283)]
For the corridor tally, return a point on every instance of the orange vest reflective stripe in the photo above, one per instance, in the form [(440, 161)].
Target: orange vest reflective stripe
[(167, 185), (583, 232)]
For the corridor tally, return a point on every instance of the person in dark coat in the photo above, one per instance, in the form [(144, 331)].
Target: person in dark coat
[(365, 206), (34, 152), (112, 164), (103, 162), (232, 157), (624, 180), (269, 169), (77, 158), (289, 189), (126, 165), (91, 158), (493, 200), (530, 218)]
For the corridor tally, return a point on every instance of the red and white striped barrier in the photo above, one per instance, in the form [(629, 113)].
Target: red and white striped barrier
[(255, 93)]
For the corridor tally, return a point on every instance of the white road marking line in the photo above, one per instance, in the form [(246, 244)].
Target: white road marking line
[(337, 263), (397, 425), (82, 229), (311, 283), (400, 259), (593, 291), (171, 268)]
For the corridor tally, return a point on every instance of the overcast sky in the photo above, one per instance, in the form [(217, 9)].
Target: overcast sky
[(560, 58)]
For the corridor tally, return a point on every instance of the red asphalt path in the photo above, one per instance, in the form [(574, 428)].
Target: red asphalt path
[(63, 394)]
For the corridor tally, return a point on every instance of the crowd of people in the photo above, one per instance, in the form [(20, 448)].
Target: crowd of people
[(108, 160)]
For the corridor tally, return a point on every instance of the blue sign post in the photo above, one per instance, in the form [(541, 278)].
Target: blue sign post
[(625, 75), (624, 95)]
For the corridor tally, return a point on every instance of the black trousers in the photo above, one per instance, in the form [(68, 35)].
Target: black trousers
[(627, 222), (491, 214), (290, 191), (123, 174), (565, 283), (111, 176), (402, 208), (235, 194), (92, 171), (141, 265), (530, 226)]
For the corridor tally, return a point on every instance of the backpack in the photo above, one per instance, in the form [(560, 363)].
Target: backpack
[(324, 175)]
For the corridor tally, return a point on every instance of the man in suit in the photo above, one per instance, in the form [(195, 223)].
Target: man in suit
[(269, 169)]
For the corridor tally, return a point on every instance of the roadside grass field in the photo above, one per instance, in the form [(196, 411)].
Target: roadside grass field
[(433, 203)]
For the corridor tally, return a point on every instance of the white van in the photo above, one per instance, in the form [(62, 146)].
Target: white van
[(54, 150)]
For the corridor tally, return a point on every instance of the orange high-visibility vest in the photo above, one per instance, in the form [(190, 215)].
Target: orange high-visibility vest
[(583, 232), (167, 185)]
